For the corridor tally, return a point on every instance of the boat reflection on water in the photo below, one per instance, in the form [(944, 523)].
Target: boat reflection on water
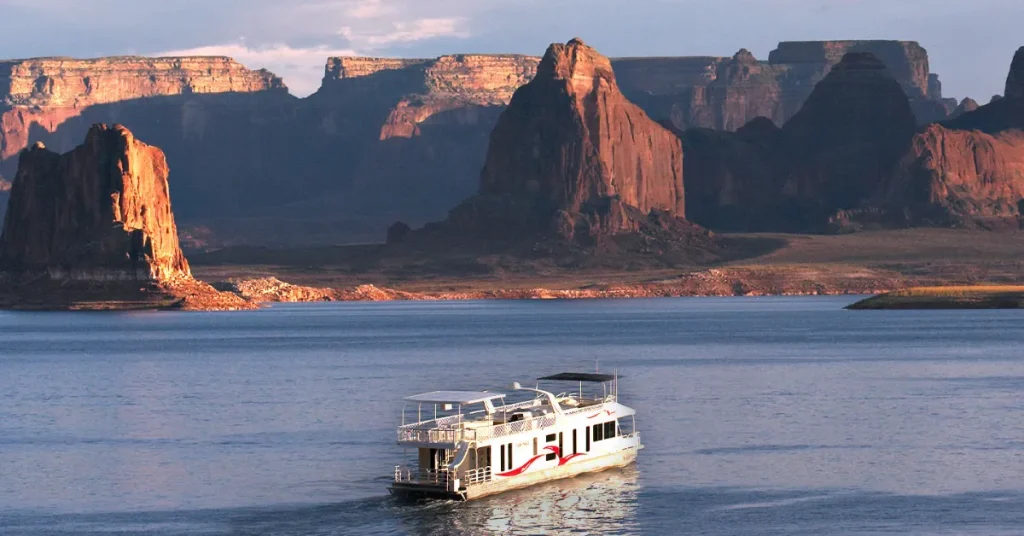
[(603, 502)]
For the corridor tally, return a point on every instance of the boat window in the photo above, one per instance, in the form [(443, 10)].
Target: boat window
[(535, 446), (516, 417), (609, 430), (483, 457), (574, 451), (510, 464), (503, 457), (550, 438), (598, 432), (586, 437)]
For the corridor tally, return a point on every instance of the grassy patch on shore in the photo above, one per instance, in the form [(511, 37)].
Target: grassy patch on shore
[(948, 297)]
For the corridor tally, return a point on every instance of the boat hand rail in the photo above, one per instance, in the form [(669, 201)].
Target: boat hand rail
[(454, 435), (477, 476), (423, 476), (452, 421), (502, 430)]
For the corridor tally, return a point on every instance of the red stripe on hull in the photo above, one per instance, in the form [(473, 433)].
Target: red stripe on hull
[(522, 468)]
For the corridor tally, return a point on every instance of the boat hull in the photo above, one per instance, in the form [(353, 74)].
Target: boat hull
[(578, 466)]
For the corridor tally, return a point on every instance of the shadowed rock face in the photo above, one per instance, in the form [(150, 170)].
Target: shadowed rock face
[(571, 153), (965, 106), (830, 156), (727, 93), (849, 133), (413, 133), (1015, 80), (967, 172), (100, 212)]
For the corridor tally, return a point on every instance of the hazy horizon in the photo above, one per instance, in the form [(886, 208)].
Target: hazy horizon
[(970, 46)]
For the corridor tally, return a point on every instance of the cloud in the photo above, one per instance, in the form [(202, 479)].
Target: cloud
[(406, 32), (301, 68), (370, 9)]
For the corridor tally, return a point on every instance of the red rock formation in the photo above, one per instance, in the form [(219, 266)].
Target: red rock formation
[(101, 212), (830, 156), (571, 152), (952, 177), (968, 171)]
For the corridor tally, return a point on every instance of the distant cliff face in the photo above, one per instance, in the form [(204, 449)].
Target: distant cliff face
[(414, 132), (830, 156), (426, 87), (45, 92), (571, 152), (100, 212), (906, 61), (727, 93)]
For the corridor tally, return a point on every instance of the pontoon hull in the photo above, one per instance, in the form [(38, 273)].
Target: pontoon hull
[(578, 466)]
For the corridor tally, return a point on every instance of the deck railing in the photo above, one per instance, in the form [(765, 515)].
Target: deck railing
[(443, 436), (478, 476), (456, 433), (440, 477)]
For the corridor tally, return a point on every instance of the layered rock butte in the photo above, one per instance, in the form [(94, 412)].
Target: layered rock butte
[(571, 159), (967, 172), (96, 220)]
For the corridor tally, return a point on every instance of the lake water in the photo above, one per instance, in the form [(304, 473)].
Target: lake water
[(759, 416)]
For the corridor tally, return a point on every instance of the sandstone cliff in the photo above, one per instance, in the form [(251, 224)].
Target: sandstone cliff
[(966, 172), (100, 212), (571, 153), (830, 156), (94, 224), (45, 92), (414, 132)]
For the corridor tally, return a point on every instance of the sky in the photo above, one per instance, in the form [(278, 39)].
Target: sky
[(970, 43)]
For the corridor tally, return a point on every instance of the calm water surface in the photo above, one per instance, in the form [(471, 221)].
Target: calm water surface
[(759, 416)]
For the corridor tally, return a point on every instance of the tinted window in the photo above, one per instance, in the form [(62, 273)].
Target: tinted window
[(609, 430), (550, 438), (598, 432)]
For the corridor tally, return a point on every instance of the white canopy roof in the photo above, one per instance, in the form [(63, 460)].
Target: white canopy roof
[(454, 397)]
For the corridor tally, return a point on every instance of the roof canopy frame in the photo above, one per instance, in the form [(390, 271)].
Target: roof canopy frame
[(579, 377)]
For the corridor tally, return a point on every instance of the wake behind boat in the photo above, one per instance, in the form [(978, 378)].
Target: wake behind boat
[(471, 444)]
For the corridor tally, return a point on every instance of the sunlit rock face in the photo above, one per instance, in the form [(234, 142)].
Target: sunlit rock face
[(100, 212), (571, 153)]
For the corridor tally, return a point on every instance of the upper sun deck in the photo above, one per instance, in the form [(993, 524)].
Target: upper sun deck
[(505, 420), (449, 422)]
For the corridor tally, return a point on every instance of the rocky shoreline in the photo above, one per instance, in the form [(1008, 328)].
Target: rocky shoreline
[(709, 283)]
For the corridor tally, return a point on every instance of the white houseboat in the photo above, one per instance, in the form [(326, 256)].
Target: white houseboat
[(472, 444)]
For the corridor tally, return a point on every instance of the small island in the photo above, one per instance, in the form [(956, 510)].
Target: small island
[(948, 297)]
